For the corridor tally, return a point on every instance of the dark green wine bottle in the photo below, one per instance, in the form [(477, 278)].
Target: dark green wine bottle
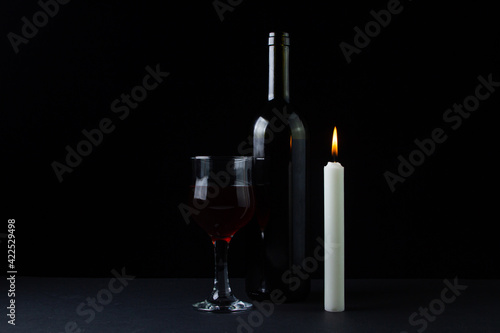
[(280, 244)]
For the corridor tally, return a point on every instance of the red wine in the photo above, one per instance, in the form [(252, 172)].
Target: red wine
[(222, 210), (280, 179)]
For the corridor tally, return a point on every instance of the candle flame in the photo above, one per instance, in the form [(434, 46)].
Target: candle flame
[(335, 144)]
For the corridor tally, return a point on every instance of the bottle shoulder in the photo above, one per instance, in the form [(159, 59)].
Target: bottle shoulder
[(278, 113), (278, 110), (278, 125)]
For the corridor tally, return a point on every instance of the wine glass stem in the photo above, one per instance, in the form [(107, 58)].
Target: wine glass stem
[(221, 290)]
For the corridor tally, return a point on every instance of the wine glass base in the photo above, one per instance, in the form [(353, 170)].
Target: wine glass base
[(235, 306)]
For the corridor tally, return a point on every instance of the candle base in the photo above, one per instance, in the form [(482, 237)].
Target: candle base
[(335, 309)]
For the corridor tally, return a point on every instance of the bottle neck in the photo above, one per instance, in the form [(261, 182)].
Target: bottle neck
[(279, 51)]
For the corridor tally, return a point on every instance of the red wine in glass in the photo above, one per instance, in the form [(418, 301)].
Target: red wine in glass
[(224, 213)]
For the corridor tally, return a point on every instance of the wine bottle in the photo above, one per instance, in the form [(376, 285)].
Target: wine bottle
[(280, 184)]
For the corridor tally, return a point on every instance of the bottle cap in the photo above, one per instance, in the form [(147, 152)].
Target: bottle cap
[(283, 38)]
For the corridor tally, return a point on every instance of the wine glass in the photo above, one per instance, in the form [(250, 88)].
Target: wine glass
[(223, 202)]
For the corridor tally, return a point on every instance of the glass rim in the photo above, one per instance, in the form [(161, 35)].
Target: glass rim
[(222, 157)]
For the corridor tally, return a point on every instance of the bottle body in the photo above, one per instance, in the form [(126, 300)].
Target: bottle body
[(280, 182)]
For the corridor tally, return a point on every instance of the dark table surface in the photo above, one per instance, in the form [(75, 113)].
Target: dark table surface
[(53, 305)]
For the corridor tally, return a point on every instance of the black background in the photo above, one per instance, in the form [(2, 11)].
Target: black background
[(119, 207)]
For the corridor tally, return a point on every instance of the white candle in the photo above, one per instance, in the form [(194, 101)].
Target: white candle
[(334, 235)]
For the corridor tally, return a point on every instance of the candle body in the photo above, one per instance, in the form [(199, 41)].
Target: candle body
[(334, 237)]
